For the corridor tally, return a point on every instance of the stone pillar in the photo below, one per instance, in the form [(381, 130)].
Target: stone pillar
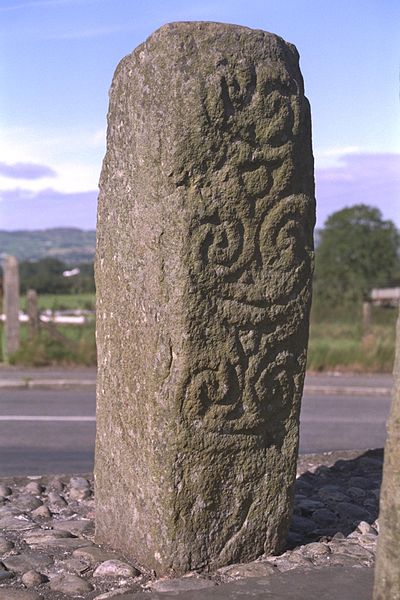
[(11, 306), (203, 274), (387, 568), (33, 314)]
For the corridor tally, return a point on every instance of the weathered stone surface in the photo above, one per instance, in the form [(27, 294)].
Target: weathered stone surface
[(253, 569), (27, 502), (27, 561), (11, 306), (33, 578), (74, 526), (9, 594), (115, 568), (203, 275), (347, 546), (5, 490), (183, 584), (5, 545), (387, 572), (70, 584), (93, 555)]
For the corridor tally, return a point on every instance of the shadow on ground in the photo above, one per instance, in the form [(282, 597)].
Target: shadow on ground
[(331, 501)]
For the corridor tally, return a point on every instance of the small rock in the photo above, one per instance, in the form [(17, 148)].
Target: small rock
[(364, 527), (55, 485), (343, 560), (79, 483), (27, 502), (65, 544), (74, 526), (10, 594), (183, 584), (42, 512), (316, 549), (252, 569), (323, 516), (56, 501), (370, 464), (358, 551), (360, 482), (352, 512), (303, 487), (331, 495), (79, 488), (308, 505), (73, 565), (16, 523), (20, 563), (356, 493), (93, 554), (34, 487), (294, 539), (302, 523), (70, 584), (43, 533), (115, 593), (78, 494), (5, 491), (4, 574), (371, 505), (299, 560), (115, 568), (283, 563), (33, 578), (5, 545)]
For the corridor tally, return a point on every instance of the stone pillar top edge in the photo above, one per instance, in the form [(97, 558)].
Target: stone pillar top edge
[(217, 27)]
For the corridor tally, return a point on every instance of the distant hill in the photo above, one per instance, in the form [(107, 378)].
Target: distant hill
[(70, 245)]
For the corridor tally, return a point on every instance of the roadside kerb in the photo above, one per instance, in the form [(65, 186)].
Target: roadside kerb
[(47, 383), (91, 383), (348, 390)]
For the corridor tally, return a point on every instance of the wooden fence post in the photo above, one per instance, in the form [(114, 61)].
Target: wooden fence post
[(11, 307), (33, 313)]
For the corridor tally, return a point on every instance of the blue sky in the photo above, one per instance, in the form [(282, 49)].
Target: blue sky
[(57, 58)]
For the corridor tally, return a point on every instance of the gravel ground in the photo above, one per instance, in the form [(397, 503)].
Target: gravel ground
[(47, 548)]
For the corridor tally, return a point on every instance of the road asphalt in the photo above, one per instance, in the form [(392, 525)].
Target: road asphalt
[(47, 417), (344, 383), (324, 583)]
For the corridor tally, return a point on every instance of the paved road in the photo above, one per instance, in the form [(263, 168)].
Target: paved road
[(49, 431), (37, 434)]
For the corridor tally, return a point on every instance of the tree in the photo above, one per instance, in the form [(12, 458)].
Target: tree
[(387, 570), (357, 251), (46, 277)]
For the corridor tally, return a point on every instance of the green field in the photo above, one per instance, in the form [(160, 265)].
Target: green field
[(76, 347), (337, 341), (63, 301)]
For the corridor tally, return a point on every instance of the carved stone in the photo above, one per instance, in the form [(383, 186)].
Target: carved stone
[(203, 273), (387, 567), (11, 306)]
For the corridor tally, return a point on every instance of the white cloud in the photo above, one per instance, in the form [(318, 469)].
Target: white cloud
[(360, 178), (331, 157), (75, 158)]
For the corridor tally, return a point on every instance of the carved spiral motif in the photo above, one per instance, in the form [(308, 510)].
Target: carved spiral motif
[(254, 253)]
